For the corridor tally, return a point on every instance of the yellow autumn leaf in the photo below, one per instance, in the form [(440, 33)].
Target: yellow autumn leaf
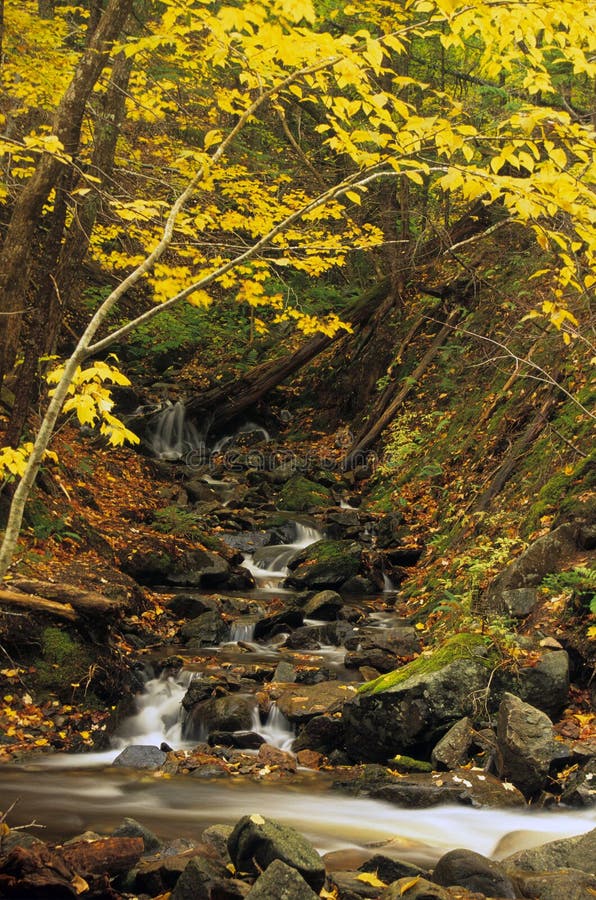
[(407, 885), (371, 878), (354, 196)]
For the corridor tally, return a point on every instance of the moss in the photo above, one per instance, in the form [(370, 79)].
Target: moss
[(299, 494), (64, 661), (459, 646), (407, 764), (560, 493)]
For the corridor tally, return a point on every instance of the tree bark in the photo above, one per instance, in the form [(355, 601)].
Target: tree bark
[(81, 600), (17, 256)]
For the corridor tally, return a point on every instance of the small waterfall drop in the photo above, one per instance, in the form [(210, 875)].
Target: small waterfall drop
[(269, 565), (276, 729), (173, 435)]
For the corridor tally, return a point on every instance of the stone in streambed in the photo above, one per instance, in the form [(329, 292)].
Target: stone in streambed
[(567, 853), (132, 828), (454, 747), (324, 605), (281, 882), (197, 879), (256, 842), (299, 702), (140, 756), (325, 564), (474, 872), (419, 890), (299, 494), (229, 713), (526, 744), (207, 630)]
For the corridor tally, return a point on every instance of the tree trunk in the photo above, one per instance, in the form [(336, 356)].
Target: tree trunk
[(224, 403), (394, 398), (17, 256)]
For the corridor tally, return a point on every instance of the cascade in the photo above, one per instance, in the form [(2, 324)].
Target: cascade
[(173, 435), (269, 565)]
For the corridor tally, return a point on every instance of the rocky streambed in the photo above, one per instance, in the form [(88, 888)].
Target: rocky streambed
[(297, 710)]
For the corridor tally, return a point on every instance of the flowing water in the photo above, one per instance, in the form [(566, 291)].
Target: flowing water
[(68, 794), (269, 565)]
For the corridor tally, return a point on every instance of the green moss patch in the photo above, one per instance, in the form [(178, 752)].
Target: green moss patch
[(299, 494)]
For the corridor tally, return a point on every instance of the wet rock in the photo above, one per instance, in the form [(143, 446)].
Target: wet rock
[(415, 706), (473, 872), (140, 756), (325, 605), (359, 586), (325, 564), (284, 672), (256, 842), (322, 733), (132, 828), (190, 606), (196, 881), (303, 701), (283, 881), (199, 567), (350, 886), (207, 630), (216, 836), (157, 876), (271, 756), (525, 743), (564, 884), (389, 870), (568, 853), (241, 740), (421, 890), (304, 638), (278, 623), (453, 748), (401, 763), (373, 657), (230, 713), (310, 759)]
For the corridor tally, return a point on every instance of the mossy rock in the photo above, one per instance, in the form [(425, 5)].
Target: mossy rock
[(64, 662), (459, 646), (299, 494), (325, 564)]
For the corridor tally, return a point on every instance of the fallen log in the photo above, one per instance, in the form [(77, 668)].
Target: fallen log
[(34, 603), (84, 602)]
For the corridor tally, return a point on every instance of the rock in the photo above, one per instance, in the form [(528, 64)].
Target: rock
[(420, 890), (304, 638), (132, 828), (207, 630), (543, 556), (197, 879), (216, 836), (322, 733), (300, 494), (416, 705), (199, 567), (325, 605), (310, 759), (284, 621), (546, 684), (241, 740), (519, 602), (230, 713), (324, 564), (139, 756), (526, 744), (406, 764), (389, 870), (580, 788), (568, 853), (373, 657), (281, 882), (564, 884), (284, 672), (190, 606), (274, 757), (256, 842), (351, 886), (474, 872), (453, 748), (303, 701)]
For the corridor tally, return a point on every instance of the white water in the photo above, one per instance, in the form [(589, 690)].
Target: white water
[(269, 565), (173, 435)]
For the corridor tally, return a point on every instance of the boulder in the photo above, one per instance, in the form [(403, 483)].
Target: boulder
[(197, 879), (322, 733), (324, 564), (199, 568), (525, 741), (283, 881), (190, 606), (299, 494), (567, 853), (324, 605), (233, 712), (545, 685), (140, 756), (564, 884), (256, 842), (411, 708), (207, 630), (299, 702), (580, 788), (454, 747), (371, 657), (278, 623), (474, 872), (131, 828)]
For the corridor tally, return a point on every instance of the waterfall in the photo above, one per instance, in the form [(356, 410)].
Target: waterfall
[(269, 565), (173, 435)]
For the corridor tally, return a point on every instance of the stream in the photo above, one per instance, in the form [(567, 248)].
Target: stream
[(68, 794)]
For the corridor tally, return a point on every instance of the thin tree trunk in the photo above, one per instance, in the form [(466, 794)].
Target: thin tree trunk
[(369, 435), (17, 256)]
